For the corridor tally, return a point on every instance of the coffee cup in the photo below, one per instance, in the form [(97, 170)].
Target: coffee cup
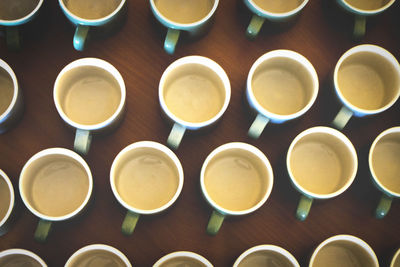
[(194, 93), (266, 255), (55, 185), (98, 255), (384, 162), (343, 250), (322, 164), (236, 179), (7, 202), (282, 85), (146, 178), (11, 102), (89, 95), (367, 81), (361, 9), (20, 257), (14, 14), (275, 11), (192, 17), (395, 259), (92, 15), (182, 258)]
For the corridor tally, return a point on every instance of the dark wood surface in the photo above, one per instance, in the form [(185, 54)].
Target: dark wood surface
[(322, 34)]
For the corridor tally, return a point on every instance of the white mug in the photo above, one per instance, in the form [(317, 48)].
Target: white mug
[(395, 259), (266, 254), (181, 257), (6, 216), (17, 256)]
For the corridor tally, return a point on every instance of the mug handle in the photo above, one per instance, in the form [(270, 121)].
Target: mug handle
[(215, 222), (80, 37), (255, 26), (129, 223), (171, 40), (42, 230), (383, 207), (83, 139), (13, 38), (175, 136), (360, 23), (303, 209), (342, 118), (257, 127)]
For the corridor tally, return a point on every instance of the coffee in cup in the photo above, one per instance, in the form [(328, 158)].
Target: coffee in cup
[(7, 200), (91, 9), (183, 258), (16, 9), (266, 255), (20, 257)]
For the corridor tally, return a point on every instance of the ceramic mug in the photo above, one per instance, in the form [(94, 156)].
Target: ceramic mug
[(7, 202), (13, 16), (55, 185), (182, 258), (11, 100), (282, 85), (361, 10), (91, 15), (20, 257), (146, 178), (98, 255), (236, 179), (367, 81), (276, 11), (384, 164), (322, 164), (89, 95), (193, 17), (194, 93), (343, 250), (266, 255), (395, 259)]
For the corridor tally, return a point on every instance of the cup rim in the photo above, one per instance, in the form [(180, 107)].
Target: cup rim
[(395, 256), (249, 148), (371, 151), (89, 21), (25, 252), (16, 93), (338, 135), (91, 62), (266, 13), (344, 237), (365, 11), (273, 248), (4, 176), (56, 151), (208, 63), (161, 148), (108, 248), (24, 18), (292, 55), (188, 254), (177, 25), (377, 50)]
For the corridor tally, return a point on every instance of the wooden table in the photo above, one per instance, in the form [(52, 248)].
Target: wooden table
[(322, 34)]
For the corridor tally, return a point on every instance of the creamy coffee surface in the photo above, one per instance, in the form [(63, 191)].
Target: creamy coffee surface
[(5, 198), (184, 11), (265, 259), (92, 9), (18, 260), (182, 262), (6, 90), (16, 9), (97, 258), (278, 6), (367, 4)]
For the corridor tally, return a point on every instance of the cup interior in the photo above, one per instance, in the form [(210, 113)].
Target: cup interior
[(321, 163), (20, 257), (278, 7), (236, 180), (55, 186), (384, 160), (18, 10), (6, 197), (369, 79), (92, 9), (368, 6), (260, 255), (8, 89), (183, 258)]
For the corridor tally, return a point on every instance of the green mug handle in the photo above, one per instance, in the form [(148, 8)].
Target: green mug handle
[(13, 38), (175, 136), (171, 40), (80, 37), (303, 209), (42, 230), (342, 118), (383, 207), (255, 26), (257, 127), (360, 23), (129, 223), (215, 222), (83, 139)]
